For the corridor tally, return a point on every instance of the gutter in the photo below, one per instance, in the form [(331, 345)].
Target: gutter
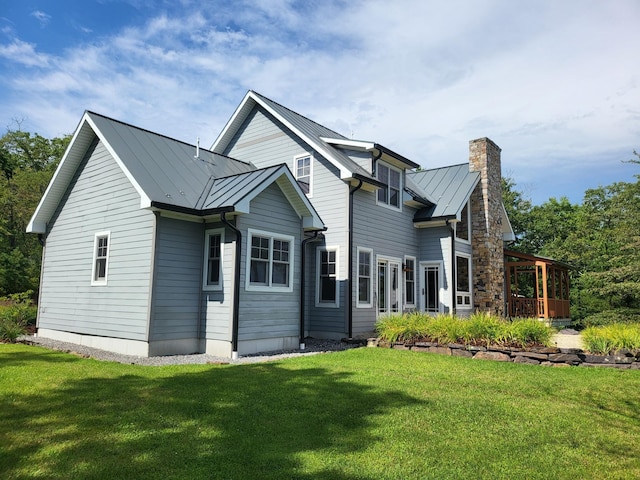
[(236, 288), (302, 284), (350, 261), (191, 211)]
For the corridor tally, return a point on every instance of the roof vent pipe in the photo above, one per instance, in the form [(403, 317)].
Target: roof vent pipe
[(197, 157)]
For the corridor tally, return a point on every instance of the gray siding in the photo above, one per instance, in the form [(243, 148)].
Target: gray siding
[(177, 280), (99, 198), (266, 315), (264, 141), (435, 246), (218, 304), (389, 233)]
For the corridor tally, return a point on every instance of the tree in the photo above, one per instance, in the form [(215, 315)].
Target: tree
[(27, 162)]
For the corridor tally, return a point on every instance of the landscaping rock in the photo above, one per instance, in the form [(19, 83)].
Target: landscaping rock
[(426, 344), (440, 350), (569, 358), (476, 348), (527, 360), (496, 356), (417, 348), (456, 352), (541, 357), (400, 346)]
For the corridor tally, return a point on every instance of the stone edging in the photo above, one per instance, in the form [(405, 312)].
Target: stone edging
[(547, 356)]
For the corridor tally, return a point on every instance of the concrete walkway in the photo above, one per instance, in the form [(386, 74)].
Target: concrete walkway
[(568, 338)]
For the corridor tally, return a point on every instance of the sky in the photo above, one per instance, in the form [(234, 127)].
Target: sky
[(554, 83)]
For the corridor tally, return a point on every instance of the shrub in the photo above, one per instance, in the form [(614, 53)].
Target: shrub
[(605, 339), (16, 315), (608, 317), (529, 331), (484, 329)]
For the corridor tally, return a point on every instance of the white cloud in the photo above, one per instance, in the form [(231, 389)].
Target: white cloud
[(42, 17), (548, 81)]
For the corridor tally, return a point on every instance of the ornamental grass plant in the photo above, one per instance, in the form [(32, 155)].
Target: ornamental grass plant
[(609, 338), (478, 329)]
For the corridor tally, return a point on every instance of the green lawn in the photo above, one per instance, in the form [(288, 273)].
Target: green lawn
[(359, 414)]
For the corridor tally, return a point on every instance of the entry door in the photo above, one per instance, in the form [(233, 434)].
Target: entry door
[(431, 290), (389, 293)]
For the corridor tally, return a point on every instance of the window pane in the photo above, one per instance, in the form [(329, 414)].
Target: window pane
[(327, 289), (280, 274), (462, 274), (394, 179), (258, 272), (213, 263), (101, 268), (364, 289), (462, 229)]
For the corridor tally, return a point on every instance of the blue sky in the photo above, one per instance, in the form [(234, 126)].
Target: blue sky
[(556, 84)]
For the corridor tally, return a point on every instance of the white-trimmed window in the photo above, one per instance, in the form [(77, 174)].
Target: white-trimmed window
[(392, 177), (327, 285), (409, 270), (464, 225), (463, 281), (100, 269), (365, 284), (213, 248), (270, 261), (303, 170)]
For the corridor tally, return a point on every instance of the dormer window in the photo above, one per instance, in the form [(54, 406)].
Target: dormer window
[(391, 177)]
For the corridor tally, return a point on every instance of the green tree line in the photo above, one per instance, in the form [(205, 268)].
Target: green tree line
[(599, 237), (27, 163)]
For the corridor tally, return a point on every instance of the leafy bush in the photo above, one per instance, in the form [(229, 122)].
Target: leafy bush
[(608, 338), (478, 329), (18, 313), (608, 317)]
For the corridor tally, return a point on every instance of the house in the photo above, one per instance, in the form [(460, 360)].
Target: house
[(283, 229)]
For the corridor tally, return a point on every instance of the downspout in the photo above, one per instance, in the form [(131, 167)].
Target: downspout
[(236, 287), (453, 267), (303, 284), (349, 259)]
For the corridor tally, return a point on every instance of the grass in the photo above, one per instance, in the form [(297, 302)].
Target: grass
[(359, 414), (477, 329)]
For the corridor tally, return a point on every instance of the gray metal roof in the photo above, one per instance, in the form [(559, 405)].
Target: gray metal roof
[(308, 130), (167, 175), (165, 168), (448, 187)]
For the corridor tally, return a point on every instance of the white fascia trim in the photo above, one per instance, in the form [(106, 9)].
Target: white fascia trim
[(40, 226), (145, 201), (355, 144), (344, 172)]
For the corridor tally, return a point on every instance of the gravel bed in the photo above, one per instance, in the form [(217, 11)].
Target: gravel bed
[(313, 347)]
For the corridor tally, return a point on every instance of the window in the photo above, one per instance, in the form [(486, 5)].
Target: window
[(327, 294), (364, 277), (100, 258), (409, 281), (214, 240), (270, 262), (432, 288), (463, 281), (302, 169), (462, 229), (389, 195)]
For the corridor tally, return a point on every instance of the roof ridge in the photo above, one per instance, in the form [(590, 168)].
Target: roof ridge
[(438, 168), (146, 130), (342, 137)]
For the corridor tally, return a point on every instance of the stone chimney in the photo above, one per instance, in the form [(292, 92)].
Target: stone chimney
[(486, 227)]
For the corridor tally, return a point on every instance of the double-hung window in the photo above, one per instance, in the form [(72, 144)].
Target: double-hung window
[(327, 293), (463, 281), (100, 258), (409, 282), (302, 167), (390, 194), (364, 277), (270, 262), (214, 241)]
